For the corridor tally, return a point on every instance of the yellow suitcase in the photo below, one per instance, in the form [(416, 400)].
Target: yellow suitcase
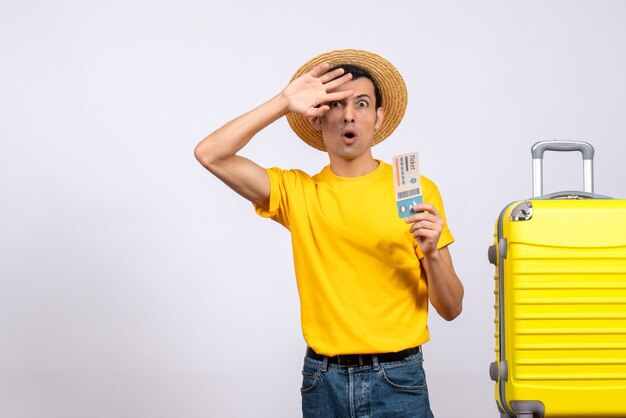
[(560, 300)]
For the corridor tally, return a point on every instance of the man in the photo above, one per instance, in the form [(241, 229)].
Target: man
[(365, 276)]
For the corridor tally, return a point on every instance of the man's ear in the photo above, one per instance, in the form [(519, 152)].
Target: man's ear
[(380, 116), (314, 121)]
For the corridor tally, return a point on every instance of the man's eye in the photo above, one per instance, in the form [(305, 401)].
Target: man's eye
[(363, 103), (335, 104)]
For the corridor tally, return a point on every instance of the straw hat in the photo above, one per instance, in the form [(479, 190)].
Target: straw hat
[(390, 83)]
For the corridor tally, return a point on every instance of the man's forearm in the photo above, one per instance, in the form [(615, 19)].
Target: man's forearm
[(228, 140), (445, 290)]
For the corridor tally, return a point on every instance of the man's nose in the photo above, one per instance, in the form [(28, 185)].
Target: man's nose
[(348, 115)]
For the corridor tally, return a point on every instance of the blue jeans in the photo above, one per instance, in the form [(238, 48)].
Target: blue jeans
[(395, 389)]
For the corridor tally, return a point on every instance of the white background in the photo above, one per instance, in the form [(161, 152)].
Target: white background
[(134, 284)]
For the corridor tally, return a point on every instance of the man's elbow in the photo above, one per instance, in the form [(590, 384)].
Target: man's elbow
[(451, 313), (451, 309), (204, 155)]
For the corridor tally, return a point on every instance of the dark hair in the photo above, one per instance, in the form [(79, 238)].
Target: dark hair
[(358, 72)]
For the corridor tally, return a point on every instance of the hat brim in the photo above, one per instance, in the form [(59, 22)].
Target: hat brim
[(390, 83)]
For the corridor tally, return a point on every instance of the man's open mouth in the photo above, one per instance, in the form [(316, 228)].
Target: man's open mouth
[(349, 135)]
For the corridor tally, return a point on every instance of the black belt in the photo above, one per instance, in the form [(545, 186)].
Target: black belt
[(353, 360)]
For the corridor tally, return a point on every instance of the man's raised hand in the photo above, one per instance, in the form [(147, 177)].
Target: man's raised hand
[(309, 94)]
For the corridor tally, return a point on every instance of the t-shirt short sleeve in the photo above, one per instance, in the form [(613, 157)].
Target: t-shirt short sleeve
[(274, 175)]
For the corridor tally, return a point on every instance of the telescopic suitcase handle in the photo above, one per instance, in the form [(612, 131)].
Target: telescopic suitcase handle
[(539, 148)]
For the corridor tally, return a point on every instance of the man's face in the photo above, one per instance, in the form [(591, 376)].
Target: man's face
[(348, 127)]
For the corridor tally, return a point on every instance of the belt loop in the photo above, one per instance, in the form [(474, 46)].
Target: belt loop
[(375, 364), (325, 365)]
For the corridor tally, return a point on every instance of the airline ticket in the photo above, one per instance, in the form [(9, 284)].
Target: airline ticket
[(406, 181)]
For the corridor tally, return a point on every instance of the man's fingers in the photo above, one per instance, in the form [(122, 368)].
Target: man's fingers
[(331, 78), (337, 96), (423, 211), (424, 225), (317, 112), (422, 216), (332, 75), (320, 69), (426, 207), (320, 110), (335, 82)]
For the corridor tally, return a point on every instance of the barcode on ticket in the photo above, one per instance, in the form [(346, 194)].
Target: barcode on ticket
[(408, 193)]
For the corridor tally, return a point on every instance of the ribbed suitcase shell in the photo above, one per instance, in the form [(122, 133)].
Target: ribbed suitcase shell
[(561, 309)]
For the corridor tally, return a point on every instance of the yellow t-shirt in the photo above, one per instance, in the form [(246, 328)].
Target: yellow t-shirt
[(357, 265)]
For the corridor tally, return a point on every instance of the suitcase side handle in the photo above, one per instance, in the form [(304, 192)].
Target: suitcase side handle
[(538, 150)]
